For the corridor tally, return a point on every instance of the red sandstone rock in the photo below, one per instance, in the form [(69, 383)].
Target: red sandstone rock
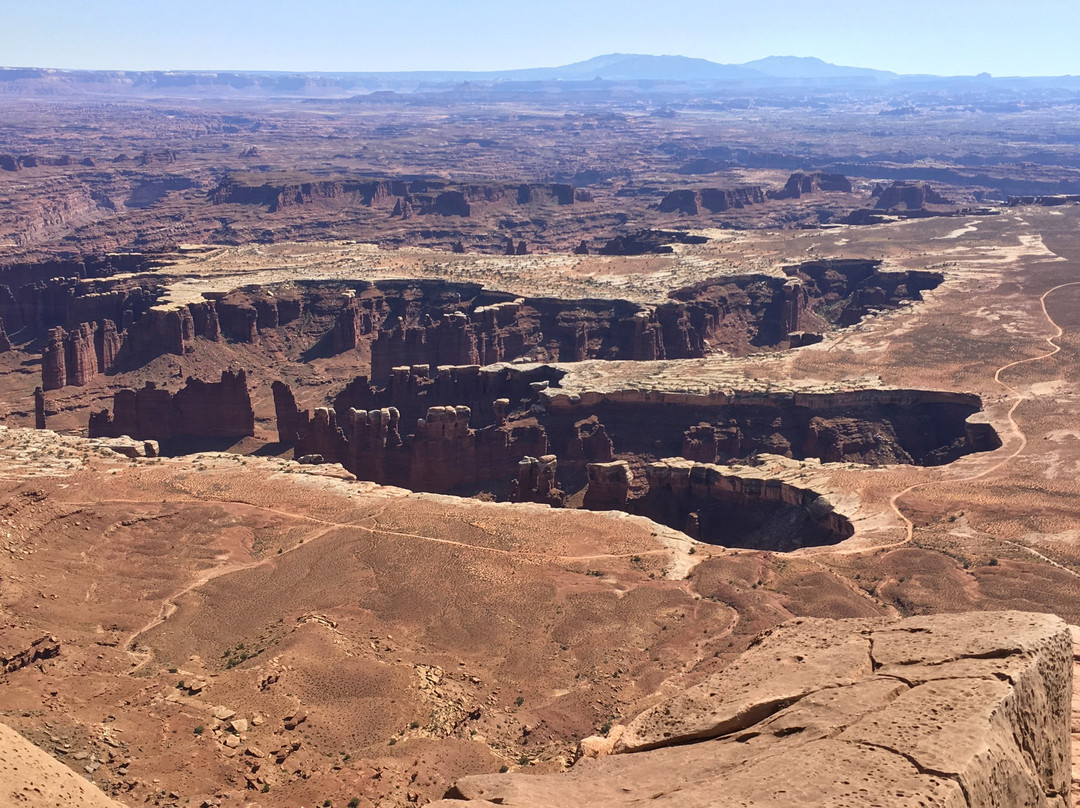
[(39, 408), (108, 344), (536, 481), (53, 361), (198, 410), (442, 453), (904, 195), (80, 355), (291, 420), (714, 200), (590, 443), (949, 710), (609, 485), (800, 184)]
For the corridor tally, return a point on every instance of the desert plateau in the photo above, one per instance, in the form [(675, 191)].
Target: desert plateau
[(625, 435)]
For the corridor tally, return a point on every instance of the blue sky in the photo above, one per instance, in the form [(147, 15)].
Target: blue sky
[(1034, 37)]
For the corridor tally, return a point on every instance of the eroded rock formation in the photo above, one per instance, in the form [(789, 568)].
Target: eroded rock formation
[(39, 650), (291, 420), (800, 184), (906, 195), (868, 426), (609, 485), (716, 505), (76, 357), (441, 453), (53, 361), (713, 200), (39, 408), (199, 409), (950, 710), (536, 481)]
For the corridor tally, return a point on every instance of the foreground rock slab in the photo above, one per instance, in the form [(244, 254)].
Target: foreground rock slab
[(31, 778), (950, 710)]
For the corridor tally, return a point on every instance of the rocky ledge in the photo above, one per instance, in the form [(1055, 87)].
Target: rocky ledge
[(951, 710), (31, 778)]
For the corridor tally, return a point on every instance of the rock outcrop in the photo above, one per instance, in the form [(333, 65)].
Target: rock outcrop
[(32, 778), (609, 485), (5, 342), (642, 242), (39, 650), (536, 481), (907, 195), (955, 711), (53, 360), (80, 354), (440, 454), (800, 185), (291, 420), (713, 200), (719, 506), (199, 409), (39, 408), (76, 357)]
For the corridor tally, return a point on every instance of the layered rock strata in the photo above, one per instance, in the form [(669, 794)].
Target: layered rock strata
[(609, 485), (444, 323), (439, 454), (958, 711), (713, 200), (873, 426), (711, 503)]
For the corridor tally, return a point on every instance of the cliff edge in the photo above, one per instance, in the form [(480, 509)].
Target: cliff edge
[(957, 710), (31, 778)]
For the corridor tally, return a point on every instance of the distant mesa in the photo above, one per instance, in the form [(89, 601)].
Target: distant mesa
[(717, 200)]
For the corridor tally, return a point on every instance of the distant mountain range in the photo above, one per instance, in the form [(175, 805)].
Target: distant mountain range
[(636, 67), (647, 73)]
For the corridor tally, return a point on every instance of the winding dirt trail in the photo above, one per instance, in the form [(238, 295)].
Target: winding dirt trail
[(169, 605), (909, 526)]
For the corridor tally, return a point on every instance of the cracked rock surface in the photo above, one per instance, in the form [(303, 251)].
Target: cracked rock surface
[(967, 710)]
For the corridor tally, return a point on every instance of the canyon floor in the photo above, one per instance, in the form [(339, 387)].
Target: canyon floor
[(247, 630)]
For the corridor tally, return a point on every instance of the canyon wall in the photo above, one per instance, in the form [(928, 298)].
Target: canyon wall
[(715, 505), (440, 453), (877, 427), (407, 323), (411, 197), (199, 409)]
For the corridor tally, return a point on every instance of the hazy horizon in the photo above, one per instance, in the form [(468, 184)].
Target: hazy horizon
[(964, 38)]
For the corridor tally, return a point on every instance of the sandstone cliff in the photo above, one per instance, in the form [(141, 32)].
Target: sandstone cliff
[(440, 453), (800, 184), (710, 503), (713, 200), (906, 195), (958, 711), (197, 410)]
